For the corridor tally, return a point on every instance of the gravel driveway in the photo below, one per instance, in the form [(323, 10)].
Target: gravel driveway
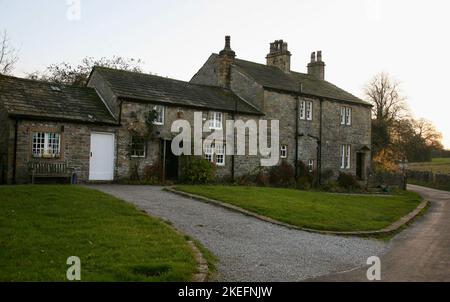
[(249, 249)]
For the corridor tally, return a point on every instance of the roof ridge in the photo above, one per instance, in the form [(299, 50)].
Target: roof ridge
[(139, 73), (43, 82)]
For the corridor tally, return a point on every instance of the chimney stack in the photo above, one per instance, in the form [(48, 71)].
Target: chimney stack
[(316, 67), (279, 55), (226, 59)]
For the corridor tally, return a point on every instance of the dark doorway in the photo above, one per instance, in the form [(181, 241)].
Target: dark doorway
[(170, 161), (360, 165)]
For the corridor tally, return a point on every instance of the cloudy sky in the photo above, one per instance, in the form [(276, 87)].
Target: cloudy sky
[(359, 38)]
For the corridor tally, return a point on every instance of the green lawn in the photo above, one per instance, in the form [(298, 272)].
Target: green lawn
[(316, 210), (41, 226), (437, 165)]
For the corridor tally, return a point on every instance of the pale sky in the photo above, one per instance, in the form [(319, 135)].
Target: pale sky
[(359, 38)]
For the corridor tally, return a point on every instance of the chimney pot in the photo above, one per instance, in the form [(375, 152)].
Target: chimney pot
[(319, 56), (227, 42), (316, 67)]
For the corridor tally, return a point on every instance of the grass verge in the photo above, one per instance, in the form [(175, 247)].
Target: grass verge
[(41, 226), (315, 210)]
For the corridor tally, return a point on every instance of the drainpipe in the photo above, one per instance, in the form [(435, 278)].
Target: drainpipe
[(234, 144), (297, 115), (164, 161), (319, 146), (16, 126)]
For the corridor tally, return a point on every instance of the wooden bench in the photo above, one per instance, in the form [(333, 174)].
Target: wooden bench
[(49, 170)]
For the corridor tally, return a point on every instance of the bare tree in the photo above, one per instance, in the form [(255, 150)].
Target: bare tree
[(428, 132), (78, 75), (8, 54), (385, 95)]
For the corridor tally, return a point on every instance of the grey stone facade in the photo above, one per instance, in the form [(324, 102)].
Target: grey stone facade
[(280, 103)]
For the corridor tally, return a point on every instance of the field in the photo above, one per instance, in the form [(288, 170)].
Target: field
[(437, 165)]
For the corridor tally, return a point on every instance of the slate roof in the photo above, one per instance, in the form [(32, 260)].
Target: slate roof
[(37, 99), (275, 78), (146, 87)]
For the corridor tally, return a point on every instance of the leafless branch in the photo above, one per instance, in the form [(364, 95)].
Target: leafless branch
[(8, 54)]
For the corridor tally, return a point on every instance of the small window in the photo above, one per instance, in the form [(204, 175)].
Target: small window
[(220, 154), (209, 154), (216, 120), (309, 111), (137, 146), (343, 115), (346, 156), (311, 165), (283, 151), (159, 109), (46, 144), (302, 110), (346, 116)]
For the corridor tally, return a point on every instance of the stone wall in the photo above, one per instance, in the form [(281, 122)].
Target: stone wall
[(358, 135), (132, 111), (208, 73), (282, 106), (4, 143), (75, 146)]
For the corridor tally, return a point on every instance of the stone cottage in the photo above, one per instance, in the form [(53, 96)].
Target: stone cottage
[(321, 125), (101, 132)]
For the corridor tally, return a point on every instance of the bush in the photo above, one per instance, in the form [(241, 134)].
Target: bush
[(197, 170), (282, 175), (327, 175), (304, 183), (263, 178), (153, 172), (347, 181)]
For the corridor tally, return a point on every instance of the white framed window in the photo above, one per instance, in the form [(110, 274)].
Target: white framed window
[(346, 116), (343, 115), (137, 146), (311, 165), (346, 151), (216, 120), (160, 110), (302, 110), (220, 154), (46, 144), (309, 111), (283, 151), (209, 153)]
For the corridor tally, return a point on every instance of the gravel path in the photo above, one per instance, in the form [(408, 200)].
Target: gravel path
[(249, 249)]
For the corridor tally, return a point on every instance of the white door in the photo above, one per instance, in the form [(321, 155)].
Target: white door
[(102, 156)]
